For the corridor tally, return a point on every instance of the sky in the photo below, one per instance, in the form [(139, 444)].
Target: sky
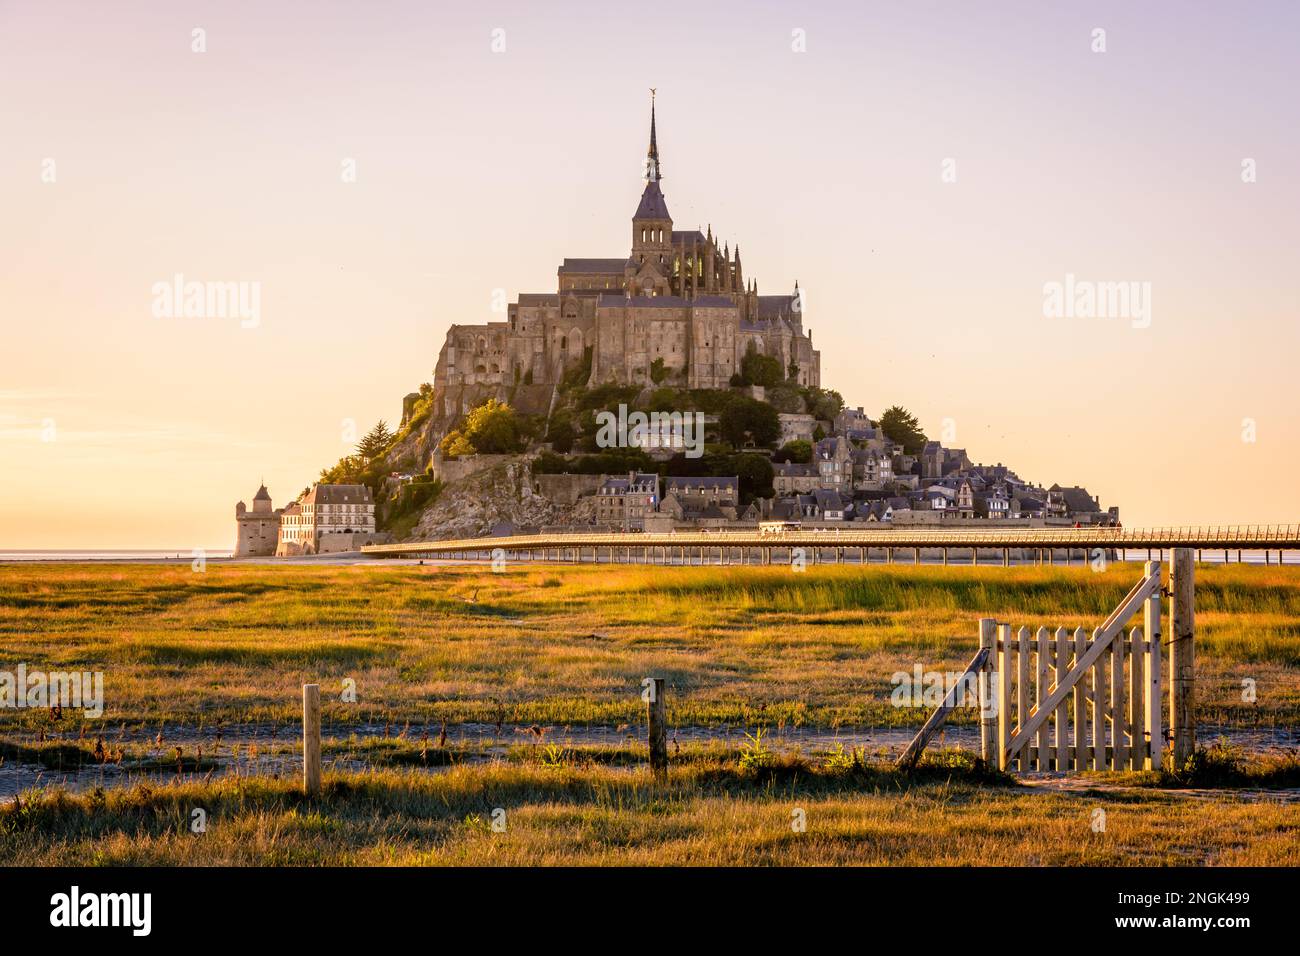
[(374, 172)]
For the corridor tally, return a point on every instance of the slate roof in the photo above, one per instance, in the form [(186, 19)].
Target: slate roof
[(602, 266), (786, 508), (775, 306), (1077, 499), (712, 302), (790, 469), (337, 495), (828, 500), (652, 205), (707, 482)]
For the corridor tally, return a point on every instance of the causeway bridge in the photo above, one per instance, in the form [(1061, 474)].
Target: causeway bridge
[(844, 545)]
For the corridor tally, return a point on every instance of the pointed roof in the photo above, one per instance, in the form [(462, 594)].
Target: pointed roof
[(654, 172), (652, 205), (262, 494)]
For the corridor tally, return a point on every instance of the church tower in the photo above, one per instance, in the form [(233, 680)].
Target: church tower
[(650, 268)]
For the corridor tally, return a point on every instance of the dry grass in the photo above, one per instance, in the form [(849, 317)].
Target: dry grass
[(569, 646), (711, 812)]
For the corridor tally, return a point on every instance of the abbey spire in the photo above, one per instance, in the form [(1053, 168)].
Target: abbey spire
[(650, 266), (653, 171)]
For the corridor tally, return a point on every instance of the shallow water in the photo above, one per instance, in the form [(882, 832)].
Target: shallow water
[(278, 749)]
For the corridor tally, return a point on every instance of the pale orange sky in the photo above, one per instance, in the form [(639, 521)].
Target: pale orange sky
[(479, 170)]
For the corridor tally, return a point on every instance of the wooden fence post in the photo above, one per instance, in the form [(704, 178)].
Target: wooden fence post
[(1154, 699), (988, 712), (311, 738), (1006, 717), (657, 726), (1182, 656)]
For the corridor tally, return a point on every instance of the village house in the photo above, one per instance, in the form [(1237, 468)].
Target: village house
[(791, 478), (625, 502), (834, 460), (329, 519)]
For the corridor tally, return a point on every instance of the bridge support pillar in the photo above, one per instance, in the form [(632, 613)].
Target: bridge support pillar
[(1006, 557), (945, 557), (974, 555)]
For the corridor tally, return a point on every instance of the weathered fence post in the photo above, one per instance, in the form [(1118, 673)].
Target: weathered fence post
[(1154, 698), (311, 738), (1182, 656), (657, 726), (1006, 722), (988, 712)]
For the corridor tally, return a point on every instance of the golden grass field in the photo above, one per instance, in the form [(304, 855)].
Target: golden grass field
[(711, 812), (566, 647), (570, 645)]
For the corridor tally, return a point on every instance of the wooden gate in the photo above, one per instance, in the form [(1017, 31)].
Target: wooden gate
[(1070, 700)]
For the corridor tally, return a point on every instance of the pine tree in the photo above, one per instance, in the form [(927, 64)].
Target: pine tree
[(376, 441)]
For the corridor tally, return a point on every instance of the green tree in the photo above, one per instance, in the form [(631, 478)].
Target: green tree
[(455, 445), (759, 369), (376, 441), (493, 429), (560, 433), (798, 451), (755, 474), (658, 371), (747, 419), (350, 470), (901, 427), (823, 403)]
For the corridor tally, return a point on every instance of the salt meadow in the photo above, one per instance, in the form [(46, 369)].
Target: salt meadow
[(478, 691)]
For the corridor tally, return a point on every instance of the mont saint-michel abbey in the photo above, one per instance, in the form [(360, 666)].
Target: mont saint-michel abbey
[(679, 297)]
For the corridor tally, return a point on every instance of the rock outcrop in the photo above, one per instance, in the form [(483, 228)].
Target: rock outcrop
[(505, 494)]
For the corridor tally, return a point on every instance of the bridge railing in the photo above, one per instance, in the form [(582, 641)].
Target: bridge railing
[(1230, 535)]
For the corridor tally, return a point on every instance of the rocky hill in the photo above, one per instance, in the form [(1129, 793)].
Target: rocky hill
[(505, 494)]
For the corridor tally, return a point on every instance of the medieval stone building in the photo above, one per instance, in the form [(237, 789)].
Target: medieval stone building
[(678, 309), (257, 531)]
